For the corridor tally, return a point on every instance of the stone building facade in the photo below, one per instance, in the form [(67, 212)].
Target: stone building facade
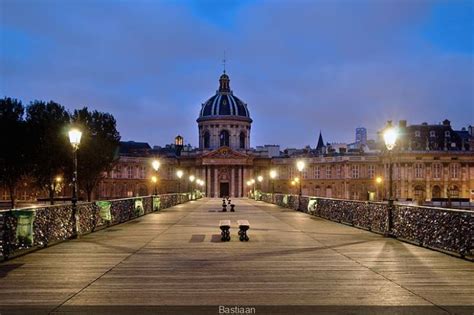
[(430, 162)]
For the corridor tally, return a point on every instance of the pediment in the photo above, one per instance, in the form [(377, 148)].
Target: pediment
[(225, 153)]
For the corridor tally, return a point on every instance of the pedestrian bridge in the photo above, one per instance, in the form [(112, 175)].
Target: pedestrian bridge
[(174, 258)]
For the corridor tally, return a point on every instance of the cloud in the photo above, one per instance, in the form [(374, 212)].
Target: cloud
[(301, 66)]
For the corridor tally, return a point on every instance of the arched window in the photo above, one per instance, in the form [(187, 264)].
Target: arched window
[(224, 138), (242, 140), (206, 139)]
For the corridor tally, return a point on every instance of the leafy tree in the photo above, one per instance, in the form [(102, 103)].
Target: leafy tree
[(99, 147), (14, 155), (48, 124)]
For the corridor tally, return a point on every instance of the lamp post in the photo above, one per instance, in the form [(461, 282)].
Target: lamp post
[(252, 181), (390, 138), (75, 139), (300, 165), (191, 179), (154, 180), (179, 174), (273, 175), (156, 165), (378, 182)]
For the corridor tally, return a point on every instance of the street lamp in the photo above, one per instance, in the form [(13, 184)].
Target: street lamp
[(75, 139), (191, 179), (378, 182), (390, 136), (156, 165), (273, 175), (300, 165), (253, 183), (154, 179), (179, 174)]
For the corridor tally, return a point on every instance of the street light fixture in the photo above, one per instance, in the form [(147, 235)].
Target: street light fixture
[(378, 182), (179, 174), (154, 179), (191, 179), (390, 136), (75, 140), (155, 164), (273, 175), (300, 165)]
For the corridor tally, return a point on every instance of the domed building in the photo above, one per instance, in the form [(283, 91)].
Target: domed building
[(224, 126), (224, 120)]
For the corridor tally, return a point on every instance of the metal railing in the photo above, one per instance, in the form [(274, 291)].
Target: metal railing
[(22, 230), (448, 230)]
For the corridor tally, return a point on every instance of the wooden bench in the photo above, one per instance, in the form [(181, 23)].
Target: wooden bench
[(244, 225), (224, 225)]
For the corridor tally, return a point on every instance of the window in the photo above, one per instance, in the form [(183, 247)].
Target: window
[(142, 172), (417, 133), (447, 133), (130, 172), (432, 133), (418, 170), (436, 170), (355, 171), (206, 140), (317, 172), (338, 171), (242, 140), (118, 172), (371, 171), (224, 138), (454, 170), (328, 172), (454, 192)]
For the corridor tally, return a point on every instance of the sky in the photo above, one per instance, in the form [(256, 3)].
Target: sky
[(301, 66)]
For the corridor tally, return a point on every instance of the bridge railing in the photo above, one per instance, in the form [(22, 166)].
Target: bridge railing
[(22, 230), (443, 229)]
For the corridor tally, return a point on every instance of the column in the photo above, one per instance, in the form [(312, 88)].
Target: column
[(208, 181), (240, 179), (232, 182), (216, 182)]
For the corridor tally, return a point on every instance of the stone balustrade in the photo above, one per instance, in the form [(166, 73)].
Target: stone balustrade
[(22, 230), (442, 229)]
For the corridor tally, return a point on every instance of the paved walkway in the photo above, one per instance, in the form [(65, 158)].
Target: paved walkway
[(175, 257)]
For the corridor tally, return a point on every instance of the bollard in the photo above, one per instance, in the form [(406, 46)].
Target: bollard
[(232, 208)]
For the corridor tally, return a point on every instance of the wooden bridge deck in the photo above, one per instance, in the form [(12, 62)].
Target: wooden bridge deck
[(175, 257)]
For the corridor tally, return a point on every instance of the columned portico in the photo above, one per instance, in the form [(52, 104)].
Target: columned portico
[(225, 172)]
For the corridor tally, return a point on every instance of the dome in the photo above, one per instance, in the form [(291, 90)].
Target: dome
[(224, 103)]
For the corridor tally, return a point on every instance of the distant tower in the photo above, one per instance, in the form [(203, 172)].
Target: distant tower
[(361, 136), (178, 143), (320, 148)]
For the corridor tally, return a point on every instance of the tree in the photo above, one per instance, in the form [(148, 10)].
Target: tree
[(14, 146), (48, 124), (99, 147)]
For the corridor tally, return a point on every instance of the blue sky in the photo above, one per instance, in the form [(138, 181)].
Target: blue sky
[(302, 66)]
